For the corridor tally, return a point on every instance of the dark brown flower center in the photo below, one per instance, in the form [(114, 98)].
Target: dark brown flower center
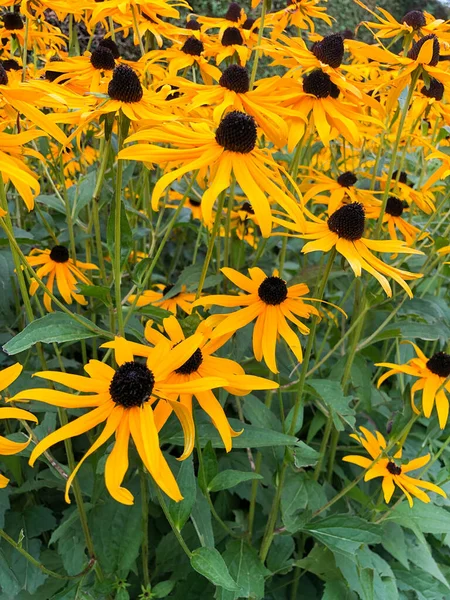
[(236, 79), (3, 76), (52, 75), (347, 34), (195, 203), (10, 65), (434, 90), (169, 288), (415, 19), (403, 177), (248, 24), (394, 206), (237, 132), (132, 384), (248, 208), (347, 179), (193, 25), (413, 53), (192, 46), (125, 85), (102, 58), (192, 364), (439, 364), (319, 84), (330, 50), (111, 45), (273, 291), (59, 254), (393, 468), (233, 13), (12, 21), (348, 221), (232, 37)]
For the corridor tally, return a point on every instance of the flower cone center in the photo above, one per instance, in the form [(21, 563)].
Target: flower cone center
[(273, 291), (59, 254), (237, 132), (125, 85), (439, 364), (348, 221), (192, 364), (132, 384), (236, 79), (330, 50)]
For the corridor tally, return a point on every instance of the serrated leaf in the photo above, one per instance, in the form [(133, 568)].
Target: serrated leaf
[(209, 563), (344, 533), (229, 478), (304, 455), (246, 569), (55, 327)]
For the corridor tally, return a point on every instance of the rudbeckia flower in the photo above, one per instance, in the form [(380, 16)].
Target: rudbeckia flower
[(182, 299), (146, 8), (344, 231), (393, 217), (234, 17), (401, 188), (8, 447), (231, 149), (299, 13), (56, 264), (122, 399), (272, 304), (392, 469), (432, 374), (230, 43), (202, 364)]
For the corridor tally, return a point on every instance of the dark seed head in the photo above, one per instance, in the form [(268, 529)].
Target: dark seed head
[(416, 47), (273, 291), (102, 58), (192, 46), (236, 79), (193, 25), (248, 208), (192, 364), (233, 13), (347, 179), (435, 90), (347, 34), (232, 37), (415, 19), (403, 177), (132, 384), (111, 45), (394, 207), (393, 468), (319, 84), (52, 75), (11, 65), (12, 21), (3, 76), (194, 202), (125, 85), (439, 364), (348, 221), (59, 254), (237, 132), (330, 50), (248, 24), (167, 289)]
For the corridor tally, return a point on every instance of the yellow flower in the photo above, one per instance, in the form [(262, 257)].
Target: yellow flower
[(391, 469), (432, 374), (272, 303), (122, 399), (56, 264), (344, 231), (181, 300), (8, 447)]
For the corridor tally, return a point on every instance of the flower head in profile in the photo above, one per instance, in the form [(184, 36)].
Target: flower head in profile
[(229, 150), (8, 447), (394, 218), (344, 231), (165, 298), (56, 264), (199, 366), (432, 374), (391, 468), (271, 304), (122, 399)]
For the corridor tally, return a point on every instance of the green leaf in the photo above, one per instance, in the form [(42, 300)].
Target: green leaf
[(55, 327), (126, 235), (427, 518), (344, 533), (393, 541), (180, 511), (210, 466), (209, 563), (331, 393), (337, 589), (294, 499), (247, 570), (229, 478), (202, 520), (101, 292), (162, 589), (305, 456)]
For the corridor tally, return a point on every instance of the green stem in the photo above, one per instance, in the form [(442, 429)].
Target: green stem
[(144, 545), (212, 239), (258, 44), (166, 512)]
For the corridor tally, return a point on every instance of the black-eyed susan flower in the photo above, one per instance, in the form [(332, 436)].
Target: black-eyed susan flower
[(299, 13), (229, 150), (56, 264), (393, 470), (8, 447), (431, 374), (202, 364), (234, 17), (271, 304), (344, 230), (122, 399), (393, 217), (164, 299)]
